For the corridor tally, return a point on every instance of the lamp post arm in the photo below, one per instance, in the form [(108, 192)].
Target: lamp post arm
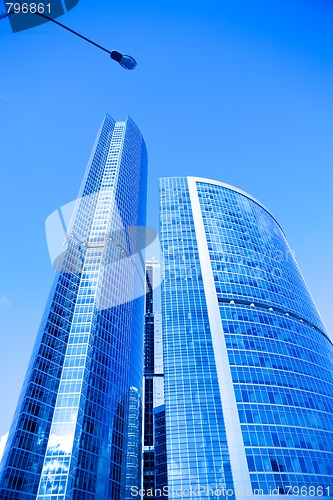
[(75, 33), (125, 61), (66, 28)]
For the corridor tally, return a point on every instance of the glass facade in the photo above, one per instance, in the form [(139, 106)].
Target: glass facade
[(153, 375), (74, 433), (248, 363), (160, 470)]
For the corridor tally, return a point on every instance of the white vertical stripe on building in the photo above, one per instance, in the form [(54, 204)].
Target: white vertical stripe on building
[(239, 467)]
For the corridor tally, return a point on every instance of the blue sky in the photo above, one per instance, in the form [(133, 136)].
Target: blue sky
[(237, 91)]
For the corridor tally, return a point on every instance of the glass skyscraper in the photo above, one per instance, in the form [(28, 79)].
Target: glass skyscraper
[(247, 360), (76, 433), (153, 379)]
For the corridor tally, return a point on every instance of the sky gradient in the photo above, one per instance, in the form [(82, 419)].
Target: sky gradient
[(240, 92)]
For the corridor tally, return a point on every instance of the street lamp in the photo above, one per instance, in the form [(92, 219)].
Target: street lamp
[(125, 61)]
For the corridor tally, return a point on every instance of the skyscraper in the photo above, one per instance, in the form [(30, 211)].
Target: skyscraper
[(247, 360), (153, 375), (74, 433)]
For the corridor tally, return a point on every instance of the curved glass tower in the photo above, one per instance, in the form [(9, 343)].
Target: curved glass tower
[(76, 433), (247, 361)]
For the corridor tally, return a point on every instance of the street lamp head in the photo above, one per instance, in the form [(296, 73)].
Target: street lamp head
[(127, 62)]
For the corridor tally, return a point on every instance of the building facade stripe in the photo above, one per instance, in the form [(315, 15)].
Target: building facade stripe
[(239, 467)]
